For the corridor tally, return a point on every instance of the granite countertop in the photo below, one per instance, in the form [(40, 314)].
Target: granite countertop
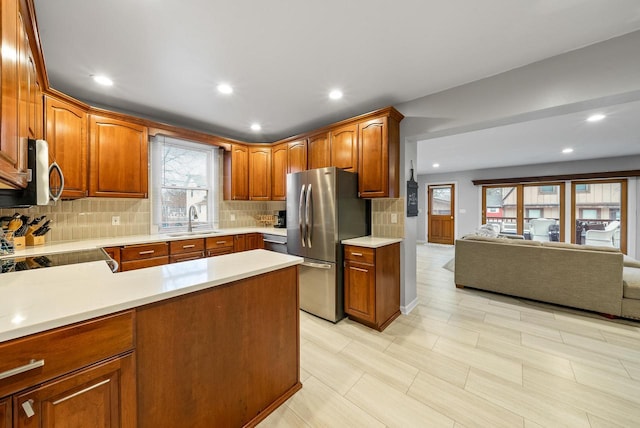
[(370, 241), (37, 300)]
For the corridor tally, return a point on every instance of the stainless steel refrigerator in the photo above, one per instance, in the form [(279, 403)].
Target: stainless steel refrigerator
[(323, 208)]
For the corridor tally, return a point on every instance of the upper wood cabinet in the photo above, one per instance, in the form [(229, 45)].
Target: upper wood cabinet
[(319, 151), (279, 169), (260, 173), (379, 157), (118, 158), (66, 133), (236, 173), (297, 155), (344, 147), (21, 109)]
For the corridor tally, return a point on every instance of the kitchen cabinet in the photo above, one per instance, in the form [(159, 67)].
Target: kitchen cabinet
[(247, 241), (379, 157), (297, 155), (219, 245), (186, 249), (344, 147), (260, 173), (118, 158), (319, 151), (66, 133), (144, 255), (20, 116), (94, 385), (239, 243), (114, 253), (236, 173), (279, 169), (372, 284)]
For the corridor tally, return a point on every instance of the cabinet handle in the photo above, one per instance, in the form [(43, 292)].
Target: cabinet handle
[(27, 406), (357, 254), (359, 269), (142, 253), (33, 364), (221, 242), (188, 246)]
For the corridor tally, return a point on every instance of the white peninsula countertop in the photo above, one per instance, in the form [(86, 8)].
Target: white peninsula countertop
[(370, 241), (37, 300)]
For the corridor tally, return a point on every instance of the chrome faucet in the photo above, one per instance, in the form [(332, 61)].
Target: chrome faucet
[(193, 214)]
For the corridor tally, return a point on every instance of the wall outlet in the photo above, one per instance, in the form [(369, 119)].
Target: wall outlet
[(115, 220), (232, 217), (394, 218)]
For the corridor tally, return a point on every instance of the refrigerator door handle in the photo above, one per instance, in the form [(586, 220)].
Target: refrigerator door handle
[(309, 215), (300, 220)]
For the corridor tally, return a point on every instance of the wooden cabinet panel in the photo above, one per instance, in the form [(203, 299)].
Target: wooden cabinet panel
[(14, 80), (100, 396), (374, 159), (279, 168), (143, 263), (217, 242), (185, 257), (219, 251), (186, 246), (344, 147), (5, 413), (319, 151), (65, 349), (236, 173), (297, 156), (66, 133), (144, 251), (372, 284), (260, 173), (118, 158), (239, 243), (254, 241)]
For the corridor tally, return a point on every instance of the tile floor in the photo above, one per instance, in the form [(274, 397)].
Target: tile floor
[(466, 358)]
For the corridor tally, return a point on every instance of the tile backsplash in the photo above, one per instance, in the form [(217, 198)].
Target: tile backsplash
[(381, 211), (246, 212)]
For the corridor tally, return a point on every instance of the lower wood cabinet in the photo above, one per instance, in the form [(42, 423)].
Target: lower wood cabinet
[(219, 245), (372, 284), (144, 255), (187, 249), (5, 413)]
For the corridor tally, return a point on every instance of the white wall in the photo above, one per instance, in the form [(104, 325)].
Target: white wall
[(469, 198)]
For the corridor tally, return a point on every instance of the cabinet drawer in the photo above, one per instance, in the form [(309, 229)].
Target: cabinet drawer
[(186, 246), (143, 263), (219, 251), (219, 242), (183, 257), (47, 355), (143, 251), (359, 254)]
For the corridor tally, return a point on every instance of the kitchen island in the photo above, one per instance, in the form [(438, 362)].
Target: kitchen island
[(210, 342)]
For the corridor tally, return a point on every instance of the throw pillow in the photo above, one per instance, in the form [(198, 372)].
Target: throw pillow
[(630, 262)]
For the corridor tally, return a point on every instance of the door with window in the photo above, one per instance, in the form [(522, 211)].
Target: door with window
[(440, 214)]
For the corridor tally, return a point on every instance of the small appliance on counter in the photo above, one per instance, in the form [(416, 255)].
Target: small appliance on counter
[(281, 219)]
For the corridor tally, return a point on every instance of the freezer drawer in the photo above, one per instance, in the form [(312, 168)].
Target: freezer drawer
[(320, 290)]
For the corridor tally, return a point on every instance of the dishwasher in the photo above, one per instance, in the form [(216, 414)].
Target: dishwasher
[(275, 243)]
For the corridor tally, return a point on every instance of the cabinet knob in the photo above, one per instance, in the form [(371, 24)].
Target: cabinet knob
[(27, 406)]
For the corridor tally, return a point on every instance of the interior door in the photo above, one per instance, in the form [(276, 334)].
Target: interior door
[(441, 218)]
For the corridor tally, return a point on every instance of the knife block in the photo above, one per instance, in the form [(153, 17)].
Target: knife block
[(19, 242), (33, 241)]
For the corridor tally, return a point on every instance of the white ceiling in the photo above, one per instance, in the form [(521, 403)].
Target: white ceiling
[(536, 141), (283, 56)]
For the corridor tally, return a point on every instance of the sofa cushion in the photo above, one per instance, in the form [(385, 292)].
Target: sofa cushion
[(502, 240), (630, 262), (631, 283), (579, 247)]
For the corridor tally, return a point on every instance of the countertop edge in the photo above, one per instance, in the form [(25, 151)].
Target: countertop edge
[(371, 241)]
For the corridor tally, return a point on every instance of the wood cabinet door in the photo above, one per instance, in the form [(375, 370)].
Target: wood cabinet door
[(297, 156), (5, 413), (260, 173), (344, 148), (373, 159), (236, 173), (319, 151), (102, 396), (279, 168), (66, 133), (254, 241), (360, 290), (118, 158), (239, 243), (14, 84)]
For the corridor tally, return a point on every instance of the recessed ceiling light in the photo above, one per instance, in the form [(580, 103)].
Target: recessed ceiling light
[(567, 150), (224, 88), (596, 117), (256, 127), (336, 94), (436, 165), (102, 80)]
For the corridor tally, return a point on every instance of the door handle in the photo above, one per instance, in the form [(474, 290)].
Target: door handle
[(27, 406), (309, 215), (33, 364), (300, 220)]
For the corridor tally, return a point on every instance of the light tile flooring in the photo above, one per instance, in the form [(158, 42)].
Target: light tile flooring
[(466, 358)]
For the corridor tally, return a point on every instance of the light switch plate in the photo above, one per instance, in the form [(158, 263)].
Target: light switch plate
[(394, 218), (115, 220)]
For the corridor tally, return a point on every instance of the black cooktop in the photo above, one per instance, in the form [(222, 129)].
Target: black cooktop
[(20, 263)]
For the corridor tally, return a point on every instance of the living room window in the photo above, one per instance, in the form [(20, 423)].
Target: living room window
[(184, 175)]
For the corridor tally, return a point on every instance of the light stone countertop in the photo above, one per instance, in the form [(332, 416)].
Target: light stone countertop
[(370, 241), (41, 299)]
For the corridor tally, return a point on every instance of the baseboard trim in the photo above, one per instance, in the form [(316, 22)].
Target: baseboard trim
[(406, 310)]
